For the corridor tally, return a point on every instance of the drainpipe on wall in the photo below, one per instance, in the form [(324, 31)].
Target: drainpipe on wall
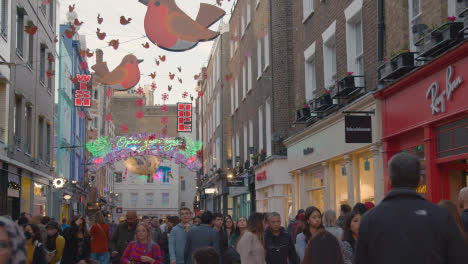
[(380, 35)]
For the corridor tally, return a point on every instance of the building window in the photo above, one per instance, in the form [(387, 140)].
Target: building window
[(249, 73), (233, 153), (51, 13), (258, 2), (28, 118), (250, 134), (354, 46), (149, 199), (341, 182), (96, 94), (149, 179), (366, 179), (218, 109), (17, 120), (218, 152), (40, 140), (416, 30), (31, 49), (310, 77), (133, 199), (42, 63), (165, 200), (313, 182), (267, 50), (248, 12), (268, 128), (48, 141), (237, 147), (244, 80), (260, 129), (51, 78), (218, 64), (307, 8), (118, 177), (452, 139), (245, 142), (20, 31), (456, 6), (232, 100), (182, 185), (231, 44), (236, 93), (259, 58), (329, 56), (43, 9), (4, 18), (242, 25)]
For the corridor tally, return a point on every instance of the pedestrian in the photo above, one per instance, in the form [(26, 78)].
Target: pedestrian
[(463, 202), (218, 221), (299, 226), (146, 220), (100, 236), (278, 243), (206, 255), (27, 216), (36, 219), (360, 208), (155, 230), (162, 225), (369, 205), (143, 249), (178, 236), (251, 245), (344, 210), (202, 236), (312, 226), (407, 228), (45, 220), (197, 220), (23, 221), (64, 224), (238, 232), (12, 243), (452, 208), (225, 234), (323, 248), (55, 243), (350, 235), (77, 242), (123, 234), (329, 222), (164, 240), (34, 247), (293, 225)]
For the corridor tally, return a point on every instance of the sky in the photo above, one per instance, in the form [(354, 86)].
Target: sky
[(132, 36)]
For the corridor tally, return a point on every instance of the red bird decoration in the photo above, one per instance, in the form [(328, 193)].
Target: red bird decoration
[(171, 75), (179, 69), (146, 45), (89, 54), (169, 88), (71, 8), (71, 33), (191, 98), (114, 43), (100, 35), (50, 73), (162, 58), (196, 77), (228, 77), (55, 39), (74, 80), (30, 29), (180, 80), (82, 53), (153, 75), (157, 62), (77, 22), (51, 59), (99, 19), (124, 21)]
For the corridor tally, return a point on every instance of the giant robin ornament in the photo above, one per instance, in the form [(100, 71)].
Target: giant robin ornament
[(124, 77), (167, 26)]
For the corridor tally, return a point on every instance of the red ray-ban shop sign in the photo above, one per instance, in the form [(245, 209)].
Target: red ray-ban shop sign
[(83, 95), (184, 117)]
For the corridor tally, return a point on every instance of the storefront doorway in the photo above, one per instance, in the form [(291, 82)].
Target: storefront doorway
[(455, 177)]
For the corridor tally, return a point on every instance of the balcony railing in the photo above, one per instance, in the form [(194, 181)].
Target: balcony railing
[(347, 87), (439, 40)]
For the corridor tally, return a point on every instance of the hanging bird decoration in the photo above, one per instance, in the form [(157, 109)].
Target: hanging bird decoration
[(82, 52), (71, 8), (171, 75), (73, 79), (70, 33), (157, 62), (124, 77), (228, 77), (51, 58), (100, 35), (89, 54), (179, 69), (169, 88), (99, 19), (30, 29), (162, 58), (180, 80), (152, 75), (77, 22), (146, 45), (196, 76), (168, 27), (125, 21), (191, 98), (50, 73), (114, 43)]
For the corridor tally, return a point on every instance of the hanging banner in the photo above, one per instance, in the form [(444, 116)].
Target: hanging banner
[(184, 117), (83, 95), (358, 129)]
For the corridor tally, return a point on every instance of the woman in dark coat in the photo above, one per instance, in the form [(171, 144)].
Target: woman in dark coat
[(164, 240), (77, 242)]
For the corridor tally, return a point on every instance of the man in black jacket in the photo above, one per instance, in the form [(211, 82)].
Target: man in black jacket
[(405, 227), (278, 243)]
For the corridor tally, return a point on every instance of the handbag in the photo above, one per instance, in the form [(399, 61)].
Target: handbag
[(231, 256)]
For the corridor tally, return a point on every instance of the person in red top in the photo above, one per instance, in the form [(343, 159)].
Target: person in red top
[(143, 250), (100, 240)]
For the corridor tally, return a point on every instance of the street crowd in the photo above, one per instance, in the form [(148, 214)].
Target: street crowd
[(403, 228)]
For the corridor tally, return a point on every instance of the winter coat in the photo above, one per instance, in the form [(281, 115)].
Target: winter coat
[(198, 237), (336, 231), (70, 252), (177, 240), (39, 256), (164, 245), (301, 245), (156, 234), (251, 249), (121, 238), (406, 228), (280, 248), (464, 217)]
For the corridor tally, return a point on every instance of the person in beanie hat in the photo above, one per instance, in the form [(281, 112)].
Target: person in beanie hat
[(54, 243)]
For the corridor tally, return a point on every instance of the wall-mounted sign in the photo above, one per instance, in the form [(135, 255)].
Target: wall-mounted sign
[(261, 176), (438, 100), (235, 183), (83, 95), (210, 190), (358, 129), (184, 117), (308, 151)]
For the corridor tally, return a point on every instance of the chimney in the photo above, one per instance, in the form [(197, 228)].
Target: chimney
[(99, 56)]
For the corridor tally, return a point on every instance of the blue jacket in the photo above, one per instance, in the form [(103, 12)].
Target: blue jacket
[(177, 240), (198, 237)]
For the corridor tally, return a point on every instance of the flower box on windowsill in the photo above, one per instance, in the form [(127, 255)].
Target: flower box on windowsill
[(440, 39), (344, 87), (322, 102), (302, 114), (464, 15), (398, 66)]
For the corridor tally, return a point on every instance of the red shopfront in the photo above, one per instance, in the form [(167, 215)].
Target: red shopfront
[(426, 114)]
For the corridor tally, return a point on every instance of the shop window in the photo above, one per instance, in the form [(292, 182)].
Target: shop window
[(418, 151), (26, 195), (341, 184), (366, 178), (315, 189), (452, 139)]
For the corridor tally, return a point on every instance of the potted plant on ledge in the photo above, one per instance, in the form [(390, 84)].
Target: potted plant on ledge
[(302, 112), (262, 155), (440, 38), (255, 159)]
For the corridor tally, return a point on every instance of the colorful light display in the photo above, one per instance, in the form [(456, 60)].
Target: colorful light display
[(83, 95), (184, 117)]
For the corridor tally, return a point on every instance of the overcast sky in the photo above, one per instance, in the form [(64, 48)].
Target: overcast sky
[(191, 61)]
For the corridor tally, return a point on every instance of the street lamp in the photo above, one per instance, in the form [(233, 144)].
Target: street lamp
[(67, 197), (230, 176)]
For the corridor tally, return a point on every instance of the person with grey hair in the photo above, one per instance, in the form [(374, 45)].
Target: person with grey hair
[(329, 222), (463, 201), (405, 227), (12, 242), (278, 243)]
